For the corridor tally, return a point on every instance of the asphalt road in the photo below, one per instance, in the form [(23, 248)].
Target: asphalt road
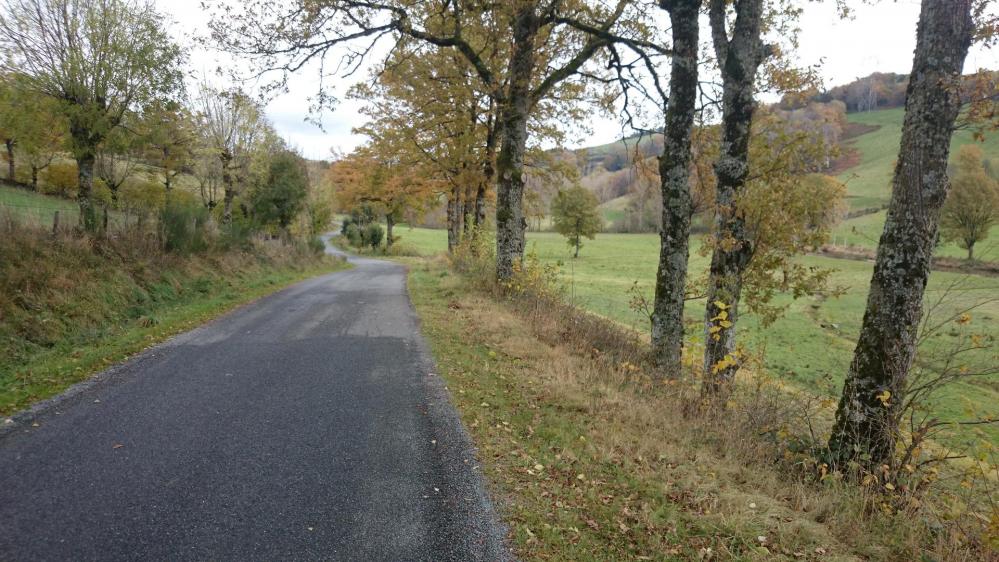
[(308, 425)]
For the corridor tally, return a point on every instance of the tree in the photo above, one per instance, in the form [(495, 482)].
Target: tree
[(972, 205), (170, 138), (866, 428), (739, 57), (576, 214), (549, 43), (33, 127), (101, 58), (281, 197), (230, 122), (674, 176)]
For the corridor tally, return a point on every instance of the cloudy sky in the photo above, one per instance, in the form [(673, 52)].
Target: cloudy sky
[(879, 37)]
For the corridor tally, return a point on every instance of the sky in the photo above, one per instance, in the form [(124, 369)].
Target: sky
[(878, 38)]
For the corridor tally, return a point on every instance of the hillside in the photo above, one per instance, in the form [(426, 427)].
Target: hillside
[(868, 182)]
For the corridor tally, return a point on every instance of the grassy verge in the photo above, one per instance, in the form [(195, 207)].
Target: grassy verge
[(589, 460), (71, 307)]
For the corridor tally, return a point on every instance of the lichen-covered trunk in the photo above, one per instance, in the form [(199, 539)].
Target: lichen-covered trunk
[(85, 179), (733, 250), (229, 188), (674, 174), (510, 223), (11, 175), (866, 419), (453, 218)]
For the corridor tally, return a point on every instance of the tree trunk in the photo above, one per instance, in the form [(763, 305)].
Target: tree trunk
[(229, 186), (453, 214), (389, 223), (34, 177), (971, 252), (11, 176), (85, 167), (510, 223), (866, 419), (674, 174), (739, 59), (488, 173)]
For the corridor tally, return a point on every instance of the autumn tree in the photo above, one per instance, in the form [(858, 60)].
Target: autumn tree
[(33, 128), (100, 58), (865, 430), (576, 215), (739, 52), (972, 206), (564, 36)]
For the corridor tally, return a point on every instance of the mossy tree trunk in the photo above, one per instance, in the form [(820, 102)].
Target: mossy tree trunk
[(739, 59), (866, 419), (674, 173)]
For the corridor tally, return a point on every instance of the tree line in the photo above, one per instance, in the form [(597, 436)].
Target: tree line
[(94, 105)]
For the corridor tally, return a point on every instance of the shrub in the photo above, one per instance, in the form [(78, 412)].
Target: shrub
[(182, 223), (143, 197), (373, 235), (353, 234), (60, 178), (317, 245)]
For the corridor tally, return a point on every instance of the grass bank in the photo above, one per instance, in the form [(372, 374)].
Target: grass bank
[(71, 306), (810, 347), (589, 460)]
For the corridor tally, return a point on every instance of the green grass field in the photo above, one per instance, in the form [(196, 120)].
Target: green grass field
[(40, 208), (811, 346)]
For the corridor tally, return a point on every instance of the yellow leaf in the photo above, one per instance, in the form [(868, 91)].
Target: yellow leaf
[(720, 305), (884, 397)]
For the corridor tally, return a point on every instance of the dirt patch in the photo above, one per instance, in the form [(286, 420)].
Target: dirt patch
[(854, 130), (849, 159), (954, 265)]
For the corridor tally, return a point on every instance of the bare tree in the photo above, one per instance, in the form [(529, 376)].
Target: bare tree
[(230, 121), (101, 58)]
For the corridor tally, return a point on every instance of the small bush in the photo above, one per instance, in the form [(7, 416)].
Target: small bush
[(182, 224), (144, 197), (60, 178), (353, 235), (373, 235), (317, 245)]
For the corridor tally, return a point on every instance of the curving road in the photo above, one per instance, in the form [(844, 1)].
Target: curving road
[(308, 425)]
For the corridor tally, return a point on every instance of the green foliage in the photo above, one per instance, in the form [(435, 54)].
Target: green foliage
[(143, 197), (352, 233), (182, 224), (576, 214), (282, 196), (373, 235)]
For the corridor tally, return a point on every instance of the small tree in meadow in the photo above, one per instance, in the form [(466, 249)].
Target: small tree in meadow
[(972, 205), (576, 215)]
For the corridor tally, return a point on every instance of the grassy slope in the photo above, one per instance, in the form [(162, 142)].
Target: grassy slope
[(796, 347), (68, 310), (589, 464)]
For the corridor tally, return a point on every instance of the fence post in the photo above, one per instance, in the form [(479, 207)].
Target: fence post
[(55, 224)]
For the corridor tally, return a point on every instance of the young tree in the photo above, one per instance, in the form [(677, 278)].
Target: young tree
[(230, 122), (864, 430), (101, 58), (280, 198), (972, 205), (169, 131), (576, 214)]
